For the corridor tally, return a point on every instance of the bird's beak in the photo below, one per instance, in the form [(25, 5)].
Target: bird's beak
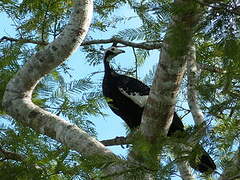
[(120, 51)]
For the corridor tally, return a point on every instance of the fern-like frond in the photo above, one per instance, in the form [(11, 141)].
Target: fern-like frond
[(131, 34)]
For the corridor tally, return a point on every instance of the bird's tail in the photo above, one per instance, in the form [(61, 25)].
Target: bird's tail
[(201, 161)]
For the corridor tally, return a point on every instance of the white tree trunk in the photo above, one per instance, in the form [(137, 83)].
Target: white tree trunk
[(158, 112)]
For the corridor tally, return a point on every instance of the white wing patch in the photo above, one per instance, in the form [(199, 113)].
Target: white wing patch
[(140, 100)]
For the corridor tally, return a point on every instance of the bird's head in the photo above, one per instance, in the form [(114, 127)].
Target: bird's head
[(111, 52)]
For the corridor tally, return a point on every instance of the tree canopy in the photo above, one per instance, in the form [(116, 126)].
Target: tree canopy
[(198, 74)]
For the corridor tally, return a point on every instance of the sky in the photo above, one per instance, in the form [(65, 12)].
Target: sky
[(111, 126)]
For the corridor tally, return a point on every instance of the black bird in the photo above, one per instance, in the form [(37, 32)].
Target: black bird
[(126, 97)]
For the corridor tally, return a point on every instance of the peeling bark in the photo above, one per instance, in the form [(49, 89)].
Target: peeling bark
[(17, 98)]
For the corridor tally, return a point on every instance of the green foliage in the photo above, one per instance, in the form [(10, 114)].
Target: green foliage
[(149, 77), (106, 7), (41, 157), (223, 86)]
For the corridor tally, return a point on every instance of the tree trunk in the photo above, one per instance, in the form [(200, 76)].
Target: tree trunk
[(158, 112), (177, 46)]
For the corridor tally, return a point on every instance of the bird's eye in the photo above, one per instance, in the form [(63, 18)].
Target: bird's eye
[(113, 49)]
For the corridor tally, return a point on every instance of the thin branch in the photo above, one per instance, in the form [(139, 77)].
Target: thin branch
[(149, 45), (143, 45), (182, 108), (136, 66), (23, 40), (8, 155), (116, 141)]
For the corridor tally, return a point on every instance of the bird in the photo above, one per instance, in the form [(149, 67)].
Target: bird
[(127, 96)]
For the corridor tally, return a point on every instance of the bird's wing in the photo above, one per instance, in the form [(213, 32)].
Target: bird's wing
[(134, 89)]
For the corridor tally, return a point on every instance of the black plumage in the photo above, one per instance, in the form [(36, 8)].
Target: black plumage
[(116, 87), (201, 161), (126, 96)]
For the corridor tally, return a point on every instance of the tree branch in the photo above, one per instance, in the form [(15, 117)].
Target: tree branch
[(17, 98), (5, 38), (8, 155), (143, 45), (158, 112), (149, 45), (192, 92)]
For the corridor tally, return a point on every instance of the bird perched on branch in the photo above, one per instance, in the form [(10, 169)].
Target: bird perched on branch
[(126, 97)]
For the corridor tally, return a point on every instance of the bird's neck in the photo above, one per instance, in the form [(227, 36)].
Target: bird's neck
[(107, 66)]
